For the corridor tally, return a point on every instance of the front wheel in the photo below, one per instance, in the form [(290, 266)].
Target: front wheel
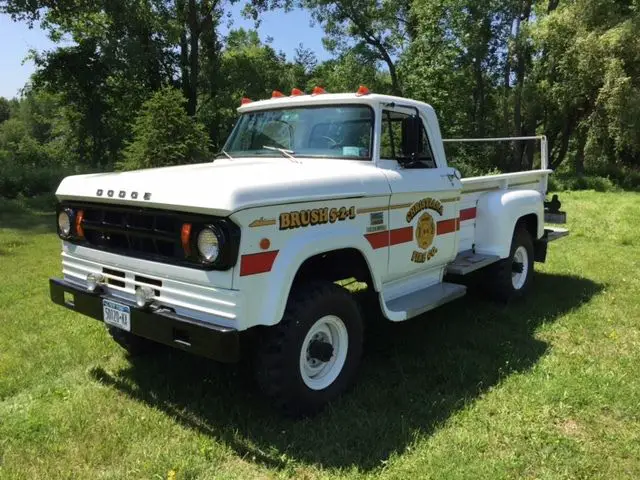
[(312, 355)]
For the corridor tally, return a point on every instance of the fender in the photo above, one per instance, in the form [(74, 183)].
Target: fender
[(275, 286), (497, 214)]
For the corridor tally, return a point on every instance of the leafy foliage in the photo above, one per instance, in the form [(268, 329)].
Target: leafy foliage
[(28, 139), (569, 69), (163, 134), (5, 109)]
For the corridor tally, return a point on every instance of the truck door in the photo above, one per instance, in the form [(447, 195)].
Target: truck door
[(425, 195)]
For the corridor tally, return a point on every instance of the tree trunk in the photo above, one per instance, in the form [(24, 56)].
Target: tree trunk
[(152, 70), (567, 131), (531, 145), (506, 93), (194, 57), (579, 159), (375, 42), (395, 83), (479, 94), (184, 62), (522, 53)]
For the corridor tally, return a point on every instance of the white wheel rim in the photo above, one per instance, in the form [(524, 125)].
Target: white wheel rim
[(316, 374), (521, 256)]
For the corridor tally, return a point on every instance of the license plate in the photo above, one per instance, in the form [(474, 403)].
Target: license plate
[(117, 314)]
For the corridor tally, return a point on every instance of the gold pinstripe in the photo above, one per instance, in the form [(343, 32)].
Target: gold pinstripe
[(399, 205), (522, 183), (481, 190)]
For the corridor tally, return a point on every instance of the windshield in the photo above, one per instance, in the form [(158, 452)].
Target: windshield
[(343, 131)]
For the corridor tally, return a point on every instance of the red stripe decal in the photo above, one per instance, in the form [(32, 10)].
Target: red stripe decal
[(378, 239), (448, 226), (389, 237), (401, 235), (257, 263), (467, 214)]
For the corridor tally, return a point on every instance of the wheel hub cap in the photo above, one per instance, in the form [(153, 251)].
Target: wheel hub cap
[(319, 350), (324, 352), (519, 267)]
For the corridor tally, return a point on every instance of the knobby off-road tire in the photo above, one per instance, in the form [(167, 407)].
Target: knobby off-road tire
[(288, 368), (132, 344), (510, 278)]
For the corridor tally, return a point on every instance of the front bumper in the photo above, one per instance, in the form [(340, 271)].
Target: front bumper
[(161, 325)]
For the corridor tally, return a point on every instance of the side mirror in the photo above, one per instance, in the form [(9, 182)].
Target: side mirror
[(411, 138)]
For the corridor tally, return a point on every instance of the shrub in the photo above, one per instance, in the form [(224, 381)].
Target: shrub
[(469, 169), (29, 181), (163, 134), (587, 182)]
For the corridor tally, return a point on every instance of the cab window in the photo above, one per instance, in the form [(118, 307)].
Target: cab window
[(398, 140)]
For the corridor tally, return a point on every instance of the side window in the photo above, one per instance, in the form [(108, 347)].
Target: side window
[(398, 141), (425, 153)]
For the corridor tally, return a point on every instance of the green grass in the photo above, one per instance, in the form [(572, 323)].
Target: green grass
[(545, 388)]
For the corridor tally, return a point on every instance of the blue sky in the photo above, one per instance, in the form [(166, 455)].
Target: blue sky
[(287, 30)]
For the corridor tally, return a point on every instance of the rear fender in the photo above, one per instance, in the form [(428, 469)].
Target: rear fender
[(497, 215)]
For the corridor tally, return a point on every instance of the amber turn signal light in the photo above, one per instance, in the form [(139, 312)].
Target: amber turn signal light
[(79, 219), (185, 238)]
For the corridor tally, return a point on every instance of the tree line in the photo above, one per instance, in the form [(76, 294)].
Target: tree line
[(139, 83)]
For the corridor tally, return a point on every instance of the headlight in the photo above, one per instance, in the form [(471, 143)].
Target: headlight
[(209, 241), (64, 223)]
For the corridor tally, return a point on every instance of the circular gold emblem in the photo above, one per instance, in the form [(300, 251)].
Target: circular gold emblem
[(425, 231)]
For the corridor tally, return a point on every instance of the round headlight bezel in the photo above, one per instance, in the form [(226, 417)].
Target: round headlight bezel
[(68, 213), (219, 239)]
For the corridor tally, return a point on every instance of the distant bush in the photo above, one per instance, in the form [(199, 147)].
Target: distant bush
[(469, 169), (28, 181), (586, 182), (624, 177)]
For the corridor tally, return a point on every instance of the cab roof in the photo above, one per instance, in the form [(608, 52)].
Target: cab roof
[(371, 99)]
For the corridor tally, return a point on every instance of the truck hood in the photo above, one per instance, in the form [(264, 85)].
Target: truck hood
[(226, 186)]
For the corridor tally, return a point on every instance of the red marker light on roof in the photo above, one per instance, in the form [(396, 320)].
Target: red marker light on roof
[(362, 91), (245, 100), (296, 92), (318, 91), (277, 94)]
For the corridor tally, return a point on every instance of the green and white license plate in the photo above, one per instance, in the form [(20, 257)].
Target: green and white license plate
[(116, 314)]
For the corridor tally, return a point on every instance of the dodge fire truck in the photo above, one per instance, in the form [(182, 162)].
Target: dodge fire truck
[(309, 189)]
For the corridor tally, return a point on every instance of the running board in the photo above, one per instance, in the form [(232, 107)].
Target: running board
[(554, 233), (467, 262), (421, 301)]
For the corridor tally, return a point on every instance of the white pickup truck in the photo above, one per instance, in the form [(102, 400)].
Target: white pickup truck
[(309, 190)]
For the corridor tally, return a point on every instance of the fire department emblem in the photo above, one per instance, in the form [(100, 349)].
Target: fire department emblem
[(425, 231), (425, 228)]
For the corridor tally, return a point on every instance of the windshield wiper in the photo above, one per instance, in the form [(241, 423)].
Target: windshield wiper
[(223, 152), (283, 151)]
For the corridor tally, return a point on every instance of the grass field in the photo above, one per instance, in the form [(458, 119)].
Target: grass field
[(546, 388)]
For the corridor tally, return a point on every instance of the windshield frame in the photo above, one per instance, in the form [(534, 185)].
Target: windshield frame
[(372, 138)]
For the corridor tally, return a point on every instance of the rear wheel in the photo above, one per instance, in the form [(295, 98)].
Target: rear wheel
[(511, 277), (312, 355)]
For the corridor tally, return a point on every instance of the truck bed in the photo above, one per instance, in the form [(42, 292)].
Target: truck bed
[(474, 187)]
